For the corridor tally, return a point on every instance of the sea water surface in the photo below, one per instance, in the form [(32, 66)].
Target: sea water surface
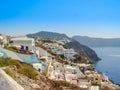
[(110, 63)]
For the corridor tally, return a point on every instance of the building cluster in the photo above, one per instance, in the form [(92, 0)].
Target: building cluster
[(3, 40), (60, 50), (87, 79), (78, 74), (23, 43), (29, 44)]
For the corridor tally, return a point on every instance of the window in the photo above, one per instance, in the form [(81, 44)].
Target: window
[(96, 78)]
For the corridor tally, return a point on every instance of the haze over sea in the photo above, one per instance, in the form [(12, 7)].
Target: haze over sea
[(110, 63)]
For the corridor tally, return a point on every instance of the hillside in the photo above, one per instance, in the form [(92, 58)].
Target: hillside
[(50, 35), (98, 42), (83, 50), (27, 77)]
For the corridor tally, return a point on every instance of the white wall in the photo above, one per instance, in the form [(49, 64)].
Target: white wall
[(29, 43)]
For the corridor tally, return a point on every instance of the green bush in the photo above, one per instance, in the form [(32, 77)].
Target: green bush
[(4, 62), (15, 49), (9, 72), (8, 61), (28, 70), (22, 67), (106, 88), (66, 84)]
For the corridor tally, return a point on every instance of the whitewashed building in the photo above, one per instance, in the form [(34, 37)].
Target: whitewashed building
[(60, 50), (3, 39), (69, 53), (24, 43), (73, 70), (43, 54), (94, 88)]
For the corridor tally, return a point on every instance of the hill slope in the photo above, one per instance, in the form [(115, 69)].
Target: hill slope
[(97, 42), (22, 76), (51, 35), (82, 49)]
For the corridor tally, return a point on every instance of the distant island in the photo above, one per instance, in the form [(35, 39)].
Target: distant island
[(98, 42)]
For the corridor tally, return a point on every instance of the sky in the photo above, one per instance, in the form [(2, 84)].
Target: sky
[(95, 18)]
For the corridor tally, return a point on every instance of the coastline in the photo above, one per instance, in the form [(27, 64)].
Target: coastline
[(111, 81), (114, 82), (109, 64)]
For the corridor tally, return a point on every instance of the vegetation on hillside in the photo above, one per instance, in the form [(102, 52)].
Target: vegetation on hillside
[(27, 75), (15, 49), (9, 72), (66, 84), (22, 67)]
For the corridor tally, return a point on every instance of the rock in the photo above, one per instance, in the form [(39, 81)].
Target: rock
[(34, 85), (7, 83)]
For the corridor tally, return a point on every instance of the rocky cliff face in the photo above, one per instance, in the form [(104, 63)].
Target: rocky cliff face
[(98, 42), (50, 35), (7, 83), (83, 50)]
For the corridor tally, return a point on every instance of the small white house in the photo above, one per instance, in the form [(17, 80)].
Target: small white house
[(50, 45), (43, 54), (38, 66), (24, 43), (73, 70), (69, 53), (64, 41), (3, 39)]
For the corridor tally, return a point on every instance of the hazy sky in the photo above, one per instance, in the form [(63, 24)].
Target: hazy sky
[(95, 18)]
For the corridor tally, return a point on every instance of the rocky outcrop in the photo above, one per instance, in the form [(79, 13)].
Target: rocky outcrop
[(98, 42), (7, 83), (50, 35), (41, 83), (83, 50)]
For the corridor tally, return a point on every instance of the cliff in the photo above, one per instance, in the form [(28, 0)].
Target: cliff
[(83, 50), (98, 42)]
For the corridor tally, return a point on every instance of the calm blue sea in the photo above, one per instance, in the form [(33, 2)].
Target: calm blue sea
[(110, 63)]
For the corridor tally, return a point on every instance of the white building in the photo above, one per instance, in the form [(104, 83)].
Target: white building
[(94, 88), (24, 43), (69, 53), (39, 67), (60, 50), (3, 39), (56, 71), (50, 45), (73, 70), (64, 41)]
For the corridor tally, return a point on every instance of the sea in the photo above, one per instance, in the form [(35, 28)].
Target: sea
[(110, 63)]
